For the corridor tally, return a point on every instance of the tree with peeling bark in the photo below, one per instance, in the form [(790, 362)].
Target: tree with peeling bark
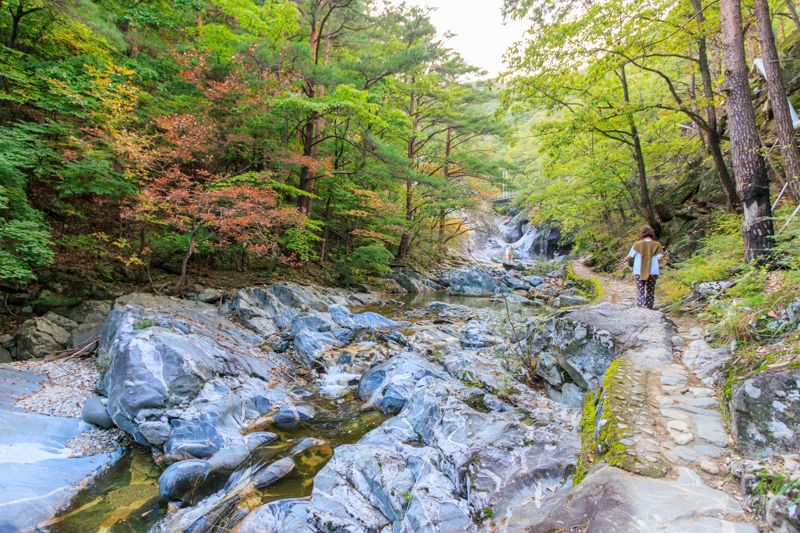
[(749, 166), (778, 100)]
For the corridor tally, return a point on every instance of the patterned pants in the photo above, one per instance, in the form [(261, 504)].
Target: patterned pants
[(646, 292)]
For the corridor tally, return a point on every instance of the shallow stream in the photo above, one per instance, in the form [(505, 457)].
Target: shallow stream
[(125, 498)]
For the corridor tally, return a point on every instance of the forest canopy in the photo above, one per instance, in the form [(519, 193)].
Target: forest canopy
[(169, 132)]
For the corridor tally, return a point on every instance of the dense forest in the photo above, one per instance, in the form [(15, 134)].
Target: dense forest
[(231, 134), (144, 142)]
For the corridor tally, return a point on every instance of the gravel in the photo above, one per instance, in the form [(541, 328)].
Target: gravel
[(97, 441), (70, 383)]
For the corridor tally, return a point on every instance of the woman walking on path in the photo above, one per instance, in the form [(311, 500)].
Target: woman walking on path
[(645, 253)]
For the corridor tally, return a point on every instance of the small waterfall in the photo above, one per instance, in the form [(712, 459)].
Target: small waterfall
[(493, 235)]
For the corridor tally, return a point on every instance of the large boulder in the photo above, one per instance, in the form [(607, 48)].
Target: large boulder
[(42, 336), (440, 465), (270, 309), (611, 499), (182, 377), (315, 333), (584, 341), (765, 413), (470, 282), (413, 282)]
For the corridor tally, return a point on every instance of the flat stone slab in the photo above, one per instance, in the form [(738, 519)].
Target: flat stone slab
[(38, 478), (612, 500)]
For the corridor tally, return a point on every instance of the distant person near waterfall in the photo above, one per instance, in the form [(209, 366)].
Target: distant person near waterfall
[(645, 254)]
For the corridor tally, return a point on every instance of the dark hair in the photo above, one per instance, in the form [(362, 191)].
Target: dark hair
[(647, 231)]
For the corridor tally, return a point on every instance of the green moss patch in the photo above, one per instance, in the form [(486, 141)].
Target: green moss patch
[(607, 425)]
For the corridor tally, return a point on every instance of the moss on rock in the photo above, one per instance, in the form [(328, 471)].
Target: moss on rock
[(607, 425)]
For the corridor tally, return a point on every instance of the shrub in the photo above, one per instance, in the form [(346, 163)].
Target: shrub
[(302, 241), (372, 259)]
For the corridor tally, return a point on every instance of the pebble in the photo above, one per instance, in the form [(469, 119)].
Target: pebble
[(70, 383), (709, 467), (679, 431), (97, 441)]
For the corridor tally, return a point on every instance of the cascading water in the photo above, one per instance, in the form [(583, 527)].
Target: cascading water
[(494, 235)]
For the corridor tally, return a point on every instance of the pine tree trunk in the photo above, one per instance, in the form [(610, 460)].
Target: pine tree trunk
[(448, 150), (315, 124), (749, 167), (778, 101), (714, 141), (405, 239), (307, 177)]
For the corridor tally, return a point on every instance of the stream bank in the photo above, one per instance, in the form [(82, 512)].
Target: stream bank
[(299, 408)]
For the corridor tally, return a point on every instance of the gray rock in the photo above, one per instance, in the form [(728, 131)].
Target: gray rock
[(387, 386), (571, 395), (705, 361), (568, 300), (549, 370), (183, 377), (765, 413), (94, 311), (585, 340), (514, 282), (187, 482), (179, 483), (224, 509), (60, 320), (292, 416), (40, 337), (476, 334), (95, 412), (5, 355), (209, 295), (442, 310), (793, 313), (610, 500), (282, 515), (39, 475), (412, 472), (470, 282), (367, 321), (269, 309), (783, 515), (535, 281), (711, 289), (6, 341), (84, 333), (414, 282)]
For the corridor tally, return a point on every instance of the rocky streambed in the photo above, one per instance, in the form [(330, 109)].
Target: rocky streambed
[(292, 408)]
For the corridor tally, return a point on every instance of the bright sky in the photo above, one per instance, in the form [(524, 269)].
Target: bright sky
[(481, 34)]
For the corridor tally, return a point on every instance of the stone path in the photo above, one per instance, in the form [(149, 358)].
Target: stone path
[(668, 424)]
